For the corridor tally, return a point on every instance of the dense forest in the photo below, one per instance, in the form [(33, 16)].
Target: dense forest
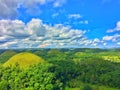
[(62, 69)]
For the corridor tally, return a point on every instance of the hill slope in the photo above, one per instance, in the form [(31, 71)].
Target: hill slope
[(6, 55), (24, 59)]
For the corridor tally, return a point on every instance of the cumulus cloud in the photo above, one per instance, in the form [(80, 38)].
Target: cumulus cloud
[(36, 34), (17, 34), (95, 42), (13, 28), (9, 8), (116, 29), (118, 25), (107, 38), (113, 38), (74, 16)]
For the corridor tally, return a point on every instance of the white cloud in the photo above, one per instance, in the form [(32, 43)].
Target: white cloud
[(117, 28), (104, 44), (84, 22), (110, 30), (17, 34), (59, 3), (13, 28), (74, 16), (9, 8), (33, 3), (96, 40), (107, 38), (118, 43), (113, 38), (55, 15)]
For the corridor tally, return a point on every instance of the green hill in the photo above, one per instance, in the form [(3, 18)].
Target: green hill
[(6, 55), (24, 59)]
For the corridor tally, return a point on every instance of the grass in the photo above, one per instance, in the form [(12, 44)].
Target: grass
[(112, 58), (24, 59)]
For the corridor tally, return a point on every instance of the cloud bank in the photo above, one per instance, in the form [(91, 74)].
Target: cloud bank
[(36, 34)]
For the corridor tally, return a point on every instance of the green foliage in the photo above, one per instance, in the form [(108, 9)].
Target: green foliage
[(41, 53), (100, 72), (64, 68), (55, 54), (87, 87), (3, 85), (37, 77), (6, 55)]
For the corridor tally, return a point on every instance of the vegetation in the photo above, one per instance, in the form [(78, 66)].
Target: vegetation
[(112, 58), (66, 69), (23, 60), (35, 78), (6, 55)]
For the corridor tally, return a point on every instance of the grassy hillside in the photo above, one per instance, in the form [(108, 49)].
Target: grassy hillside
[(112, 58), (65, 69), (6, 55), (24, 59)]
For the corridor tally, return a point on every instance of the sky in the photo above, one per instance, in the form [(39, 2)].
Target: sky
[(59, 24)]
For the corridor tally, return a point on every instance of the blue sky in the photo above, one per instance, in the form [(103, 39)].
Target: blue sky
[(59, 23)]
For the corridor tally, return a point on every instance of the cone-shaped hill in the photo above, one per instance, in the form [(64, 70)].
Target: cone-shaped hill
[(24, 59), (6, 55)]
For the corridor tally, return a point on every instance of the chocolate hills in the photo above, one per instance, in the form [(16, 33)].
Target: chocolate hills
[(24, 59), (6, 55)]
